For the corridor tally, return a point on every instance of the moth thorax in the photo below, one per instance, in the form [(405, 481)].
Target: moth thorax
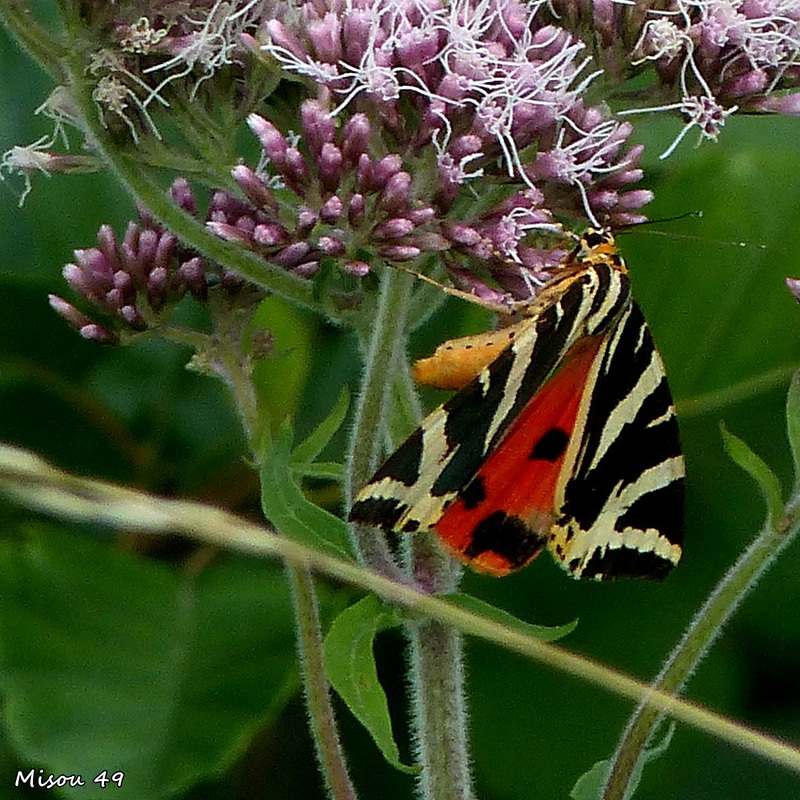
[(598, 247)]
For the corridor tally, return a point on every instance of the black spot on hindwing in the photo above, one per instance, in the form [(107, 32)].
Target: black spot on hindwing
[(507, 536), (551, 445), (474, 493)]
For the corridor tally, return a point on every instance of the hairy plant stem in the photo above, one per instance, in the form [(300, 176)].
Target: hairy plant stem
[(435, 651), (384, 347), (316, 689), (439, 712), (696, 642)]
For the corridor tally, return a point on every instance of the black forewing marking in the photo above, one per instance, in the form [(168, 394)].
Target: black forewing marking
[(664, 504), (640, 444), (404, 464), (468, 419), (471, 412), (383, 512), (628, 562), (603, 283)]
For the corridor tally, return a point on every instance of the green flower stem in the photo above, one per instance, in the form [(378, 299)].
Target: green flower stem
[(696, 642), (32, 482), (406, 411), (46, 50), (385, 345), (316, 689), (132, 174), (322, 720), (439, 711), (435, 652)]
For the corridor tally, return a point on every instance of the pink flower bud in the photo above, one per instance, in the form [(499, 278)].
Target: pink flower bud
[(325, 35), (331, 210), (330, 167), (399, 252), (271, 139), (182, 195), (66, 310), (291, 256), (256, 190), (97, 333), (318, 126), (355, 138), (270, 234), (331, 246), (396, 194), (355, 209), (393, 228)]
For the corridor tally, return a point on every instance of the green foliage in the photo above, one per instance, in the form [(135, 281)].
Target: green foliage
[(305, 454), (350, 659), (280, 378), (758, 470), (543, 632), (590, 785), (350, 667), (793, 425), (110, 662), (289, 511)]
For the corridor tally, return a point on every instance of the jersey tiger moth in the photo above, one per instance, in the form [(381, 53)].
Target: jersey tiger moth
[(563, 434)]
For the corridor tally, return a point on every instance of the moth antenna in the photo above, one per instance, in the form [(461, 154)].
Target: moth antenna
[(705, 240), (498, 308), (686, 214)]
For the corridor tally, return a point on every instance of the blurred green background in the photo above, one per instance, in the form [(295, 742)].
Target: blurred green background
[(170, 663)]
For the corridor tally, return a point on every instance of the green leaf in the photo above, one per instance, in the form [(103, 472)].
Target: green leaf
[(287, 508), (484, 609), (350, 666), (591, 784), (108, 661), (309, 449), (281, 378), (758, 470), (793, 423)]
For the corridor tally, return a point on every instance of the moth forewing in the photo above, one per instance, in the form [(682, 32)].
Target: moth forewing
[(570, 403), (621, 498)]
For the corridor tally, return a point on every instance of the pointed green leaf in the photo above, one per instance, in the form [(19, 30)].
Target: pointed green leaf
[(793, 423), (287, 508), (309, 449), (350, 666), (591, 784), (484, 609), (109, 661), (758, 470)]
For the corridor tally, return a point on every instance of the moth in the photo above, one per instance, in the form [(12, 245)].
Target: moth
[(562, 435)]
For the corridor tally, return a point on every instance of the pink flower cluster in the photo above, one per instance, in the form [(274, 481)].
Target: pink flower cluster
[(130, 282)]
